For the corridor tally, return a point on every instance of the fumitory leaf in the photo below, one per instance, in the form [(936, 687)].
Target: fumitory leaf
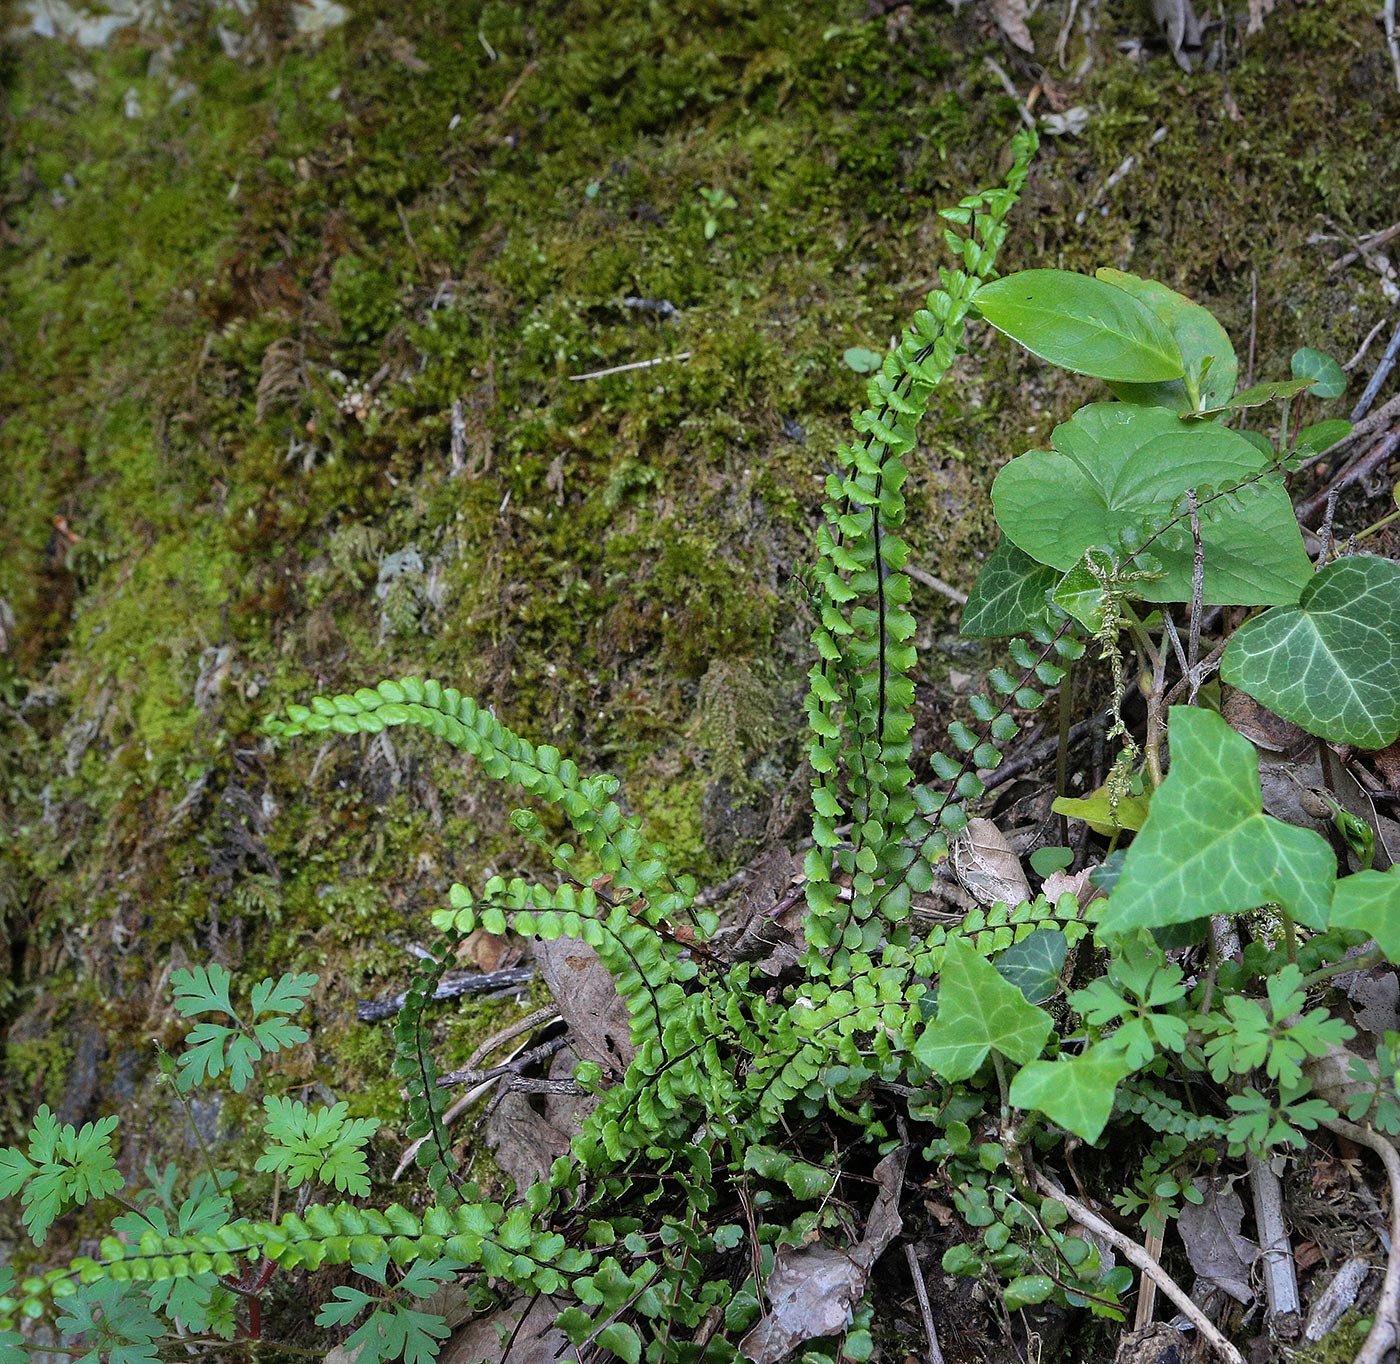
[(202, 990)]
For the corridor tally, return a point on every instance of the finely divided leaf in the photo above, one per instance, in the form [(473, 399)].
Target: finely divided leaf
[(1331, 664), (1208, 848), (202, 991), (1082, 325)]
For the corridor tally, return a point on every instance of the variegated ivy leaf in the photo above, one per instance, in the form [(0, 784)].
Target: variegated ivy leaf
[(1331, 664), (1008, 597), (1208, 847), (1370, 902)]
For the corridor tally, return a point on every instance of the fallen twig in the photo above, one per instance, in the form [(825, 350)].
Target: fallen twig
[(919, 575), (622, 369), (1386, 1329), (1387, 363), (1365, 245), (935, 1354), (1280, 1282), (1135, 1254), (373, 1010)]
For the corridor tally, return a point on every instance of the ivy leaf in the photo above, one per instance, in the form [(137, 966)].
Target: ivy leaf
[(1075, 1093), (321, 1144), (1330, 664), (1033, 965), (1370, 902), (1203, 342), (1115, 468), (1008, 597), (978, 1011), (1083, 325), (1208, 848), (1327, 377)]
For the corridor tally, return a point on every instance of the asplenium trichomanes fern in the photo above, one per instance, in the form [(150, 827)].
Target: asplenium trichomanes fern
[(716, 1064), (654, 1225)]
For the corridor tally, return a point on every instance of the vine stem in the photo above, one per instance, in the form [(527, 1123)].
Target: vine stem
[(1137, 1255), (1386, 1331)]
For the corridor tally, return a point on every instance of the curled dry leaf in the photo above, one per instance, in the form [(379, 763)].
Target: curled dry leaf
[(813, 1289), (1211, 1232), (1011, 16), (985, 864)]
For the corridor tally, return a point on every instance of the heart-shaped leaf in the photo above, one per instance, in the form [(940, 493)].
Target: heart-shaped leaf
[(1370, 901), (1082, 325), (978, 1011), (1008, 597), (1033, 965), (1205, 348), (1331, 664), (1207, 846), (1075, 1093), (1115, 465), (1326, 376)]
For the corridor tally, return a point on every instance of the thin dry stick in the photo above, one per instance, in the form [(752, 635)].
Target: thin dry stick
[(1386, 1331), (1253, 325), (622, 369), (1147, 1295), (919, 575), (1365, 345), (1363, 405), (1280, 1281), (1364, 246), (1006, 84), (1135, 1254), (1392, 40), (935, 1354)]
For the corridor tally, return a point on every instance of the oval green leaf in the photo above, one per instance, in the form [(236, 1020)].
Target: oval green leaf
[(1083, 325), (1206, 350), (1331, 664)]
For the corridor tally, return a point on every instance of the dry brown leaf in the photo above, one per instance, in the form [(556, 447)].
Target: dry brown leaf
[(985, 865), (529, 1132), (1011, 16), (588, 999), (1211, 1233), (813, 1289), (536, 1340)]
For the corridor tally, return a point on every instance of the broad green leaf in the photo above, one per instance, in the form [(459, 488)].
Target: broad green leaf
[(1028, 1290), (1075, 1093), (977, 1012), (1370, 901), (1082, 325), (1325, 376), (1208, 848), (1203, 343), (1332, 662), (1008, 597), (1033, 965), (622, 1340), (1101, 814), (1115, 466), (1320, 436)]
